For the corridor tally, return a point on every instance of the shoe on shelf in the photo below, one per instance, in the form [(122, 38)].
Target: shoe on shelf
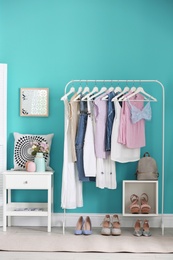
[(87, 228), (116, 227), (137, 229), (79, 226), (134, 207), (106, 226), (146, 229), (145, 207)]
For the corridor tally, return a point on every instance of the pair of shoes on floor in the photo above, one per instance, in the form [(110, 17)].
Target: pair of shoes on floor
[(140, 230), (83, 226), (111, 227), (135, 208)]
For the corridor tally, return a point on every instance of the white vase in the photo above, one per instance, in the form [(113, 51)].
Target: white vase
[(40, 162)]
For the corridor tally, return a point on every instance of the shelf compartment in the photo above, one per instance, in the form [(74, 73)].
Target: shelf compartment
[(17, 209), (139, 187)]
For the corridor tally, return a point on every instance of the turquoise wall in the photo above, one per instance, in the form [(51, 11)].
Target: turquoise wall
[(48, 43)]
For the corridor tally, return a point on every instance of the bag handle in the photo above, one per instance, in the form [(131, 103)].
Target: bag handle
[(146, 154)]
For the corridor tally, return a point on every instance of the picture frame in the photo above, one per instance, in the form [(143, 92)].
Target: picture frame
[(34, 102)]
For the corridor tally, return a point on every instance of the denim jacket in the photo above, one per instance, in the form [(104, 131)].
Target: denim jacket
[(109, 121)]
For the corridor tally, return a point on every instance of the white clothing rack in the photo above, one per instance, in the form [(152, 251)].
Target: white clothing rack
[(163, 124)]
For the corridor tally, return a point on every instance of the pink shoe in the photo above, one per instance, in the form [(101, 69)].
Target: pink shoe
[(134, 207), (145, 208)]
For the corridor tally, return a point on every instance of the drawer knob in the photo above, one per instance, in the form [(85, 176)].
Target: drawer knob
[(25, 182)]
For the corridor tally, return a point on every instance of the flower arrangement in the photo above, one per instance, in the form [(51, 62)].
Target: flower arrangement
[(39, 147)]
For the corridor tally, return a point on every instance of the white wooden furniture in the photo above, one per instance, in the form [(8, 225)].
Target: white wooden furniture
[(3, 130), (27, 181), (138, 187)]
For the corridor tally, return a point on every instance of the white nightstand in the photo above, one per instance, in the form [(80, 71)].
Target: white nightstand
[(27, 181)]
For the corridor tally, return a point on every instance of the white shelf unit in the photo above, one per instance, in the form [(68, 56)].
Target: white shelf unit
[(138, 187)]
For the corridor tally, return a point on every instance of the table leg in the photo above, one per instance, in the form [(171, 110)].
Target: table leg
[(9, 201), (49, 210), (4, 209)]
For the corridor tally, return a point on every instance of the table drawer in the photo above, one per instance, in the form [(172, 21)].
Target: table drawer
[(27, 181)]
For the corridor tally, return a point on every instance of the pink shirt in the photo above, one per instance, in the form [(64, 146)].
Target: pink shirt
[(131, 135)]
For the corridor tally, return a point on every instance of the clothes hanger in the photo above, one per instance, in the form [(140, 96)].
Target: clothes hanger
[(72, 90), (147, 97), (109, 90), (133, 88), (78, 93), (102, 90), (86, 97), (79, 90), (86, 89), (124, 91), (117, 89)]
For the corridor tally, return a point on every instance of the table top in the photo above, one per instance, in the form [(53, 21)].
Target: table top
[(15, 172)]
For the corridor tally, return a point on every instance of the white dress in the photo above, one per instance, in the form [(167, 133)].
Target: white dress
[(119, 152), (106, 173), (89, 150), (71, 192)]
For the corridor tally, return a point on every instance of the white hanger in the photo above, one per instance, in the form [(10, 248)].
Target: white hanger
[(86, 89), (102, 90), (125, 90), (133, 89), (141, 90), (79, 90), (123, 97), (117, 89), (95, 89), (72, 89), (106, 97), (78, 96)]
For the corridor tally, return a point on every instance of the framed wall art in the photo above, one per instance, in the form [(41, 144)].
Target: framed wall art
[(34, 102)]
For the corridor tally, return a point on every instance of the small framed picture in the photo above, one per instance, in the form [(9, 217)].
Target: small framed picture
[(34, 102)]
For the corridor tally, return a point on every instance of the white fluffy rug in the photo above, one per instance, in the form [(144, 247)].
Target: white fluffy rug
[(32, 239)]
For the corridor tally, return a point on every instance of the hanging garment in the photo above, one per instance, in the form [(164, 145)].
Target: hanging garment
[(100, 113), (71, 192), (89, 151), (80, 137), (109, 121), (132, 135), (106, 174), (119, 152), (74, 115), (138, 114)]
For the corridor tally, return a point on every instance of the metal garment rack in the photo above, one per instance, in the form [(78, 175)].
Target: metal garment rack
[(163, 126)]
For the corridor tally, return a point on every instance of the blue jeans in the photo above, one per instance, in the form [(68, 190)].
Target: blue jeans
[(109, 121), (79, 141)]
